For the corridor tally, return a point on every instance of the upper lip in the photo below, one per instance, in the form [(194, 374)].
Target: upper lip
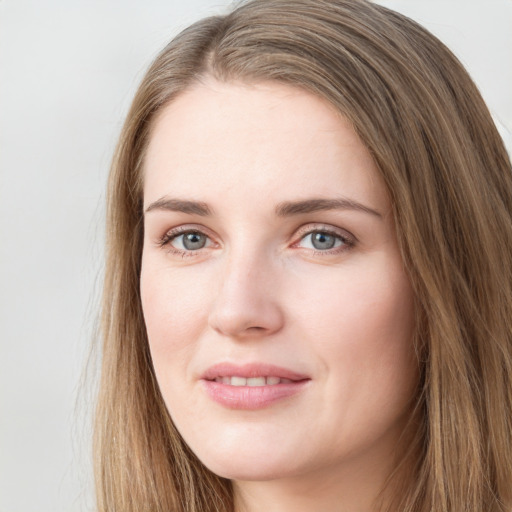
[(251, 370)]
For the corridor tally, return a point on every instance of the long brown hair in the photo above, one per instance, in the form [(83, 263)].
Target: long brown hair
[(450, 180)]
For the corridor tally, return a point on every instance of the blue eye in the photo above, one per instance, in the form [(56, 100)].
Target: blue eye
[(190, 241), (322, 241)]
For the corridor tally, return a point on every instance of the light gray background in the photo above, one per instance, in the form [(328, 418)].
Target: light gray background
[(68, 69)]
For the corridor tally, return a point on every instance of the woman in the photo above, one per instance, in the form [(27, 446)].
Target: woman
[(308, 283)]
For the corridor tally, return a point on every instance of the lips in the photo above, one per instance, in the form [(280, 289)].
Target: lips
[(251, 386), (252, 370)]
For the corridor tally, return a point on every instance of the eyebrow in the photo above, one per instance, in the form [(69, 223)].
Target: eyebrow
[(180, 205), (289, 208), (284, 209)]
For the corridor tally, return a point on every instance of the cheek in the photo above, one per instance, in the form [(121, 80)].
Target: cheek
[(362, 324), (174, 309), (358, 305), (363, 336)]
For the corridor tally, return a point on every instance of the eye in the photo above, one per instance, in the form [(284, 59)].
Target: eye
[(191, 241), (324, 240), (321, 241), (182, 240)]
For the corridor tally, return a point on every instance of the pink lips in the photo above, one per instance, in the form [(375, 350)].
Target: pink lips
[(266, 384)]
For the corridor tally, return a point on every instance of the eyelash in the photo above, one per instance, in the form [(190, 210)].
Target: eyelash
[(348, 241), (167, 238)]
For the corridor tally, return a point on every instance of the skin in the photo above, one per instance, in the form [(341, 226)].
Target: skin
[(260, 291)]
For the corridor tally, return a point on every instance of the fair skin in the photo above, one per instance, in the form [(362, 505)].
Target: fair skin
[(243, 267)]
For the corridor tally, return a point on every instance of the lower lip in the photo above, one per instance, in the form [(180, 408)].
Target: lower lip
[(251, 397)]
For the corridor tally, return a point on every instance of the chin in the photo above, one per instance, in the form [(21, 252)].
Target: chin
[(247, 461), (243, 470)]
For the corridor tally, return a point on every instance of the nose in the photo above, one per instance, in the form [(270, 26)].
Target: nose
[(247, 304)]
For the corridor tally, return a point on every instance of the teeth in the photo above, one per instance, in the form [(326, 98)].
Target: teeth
[(256, 381), (238, 381), (252, 381)]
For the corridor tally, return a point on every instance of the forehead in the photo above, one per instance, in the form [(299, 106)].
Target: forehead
[(265, 140)]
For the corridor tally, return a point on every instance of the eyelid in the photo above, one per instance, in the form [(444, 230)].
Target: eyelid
[(325, 228), (169, 235), (348, 241)]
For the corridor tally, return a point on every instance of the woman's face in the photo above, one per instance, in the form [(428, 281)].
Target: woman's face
[(278, 311)]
